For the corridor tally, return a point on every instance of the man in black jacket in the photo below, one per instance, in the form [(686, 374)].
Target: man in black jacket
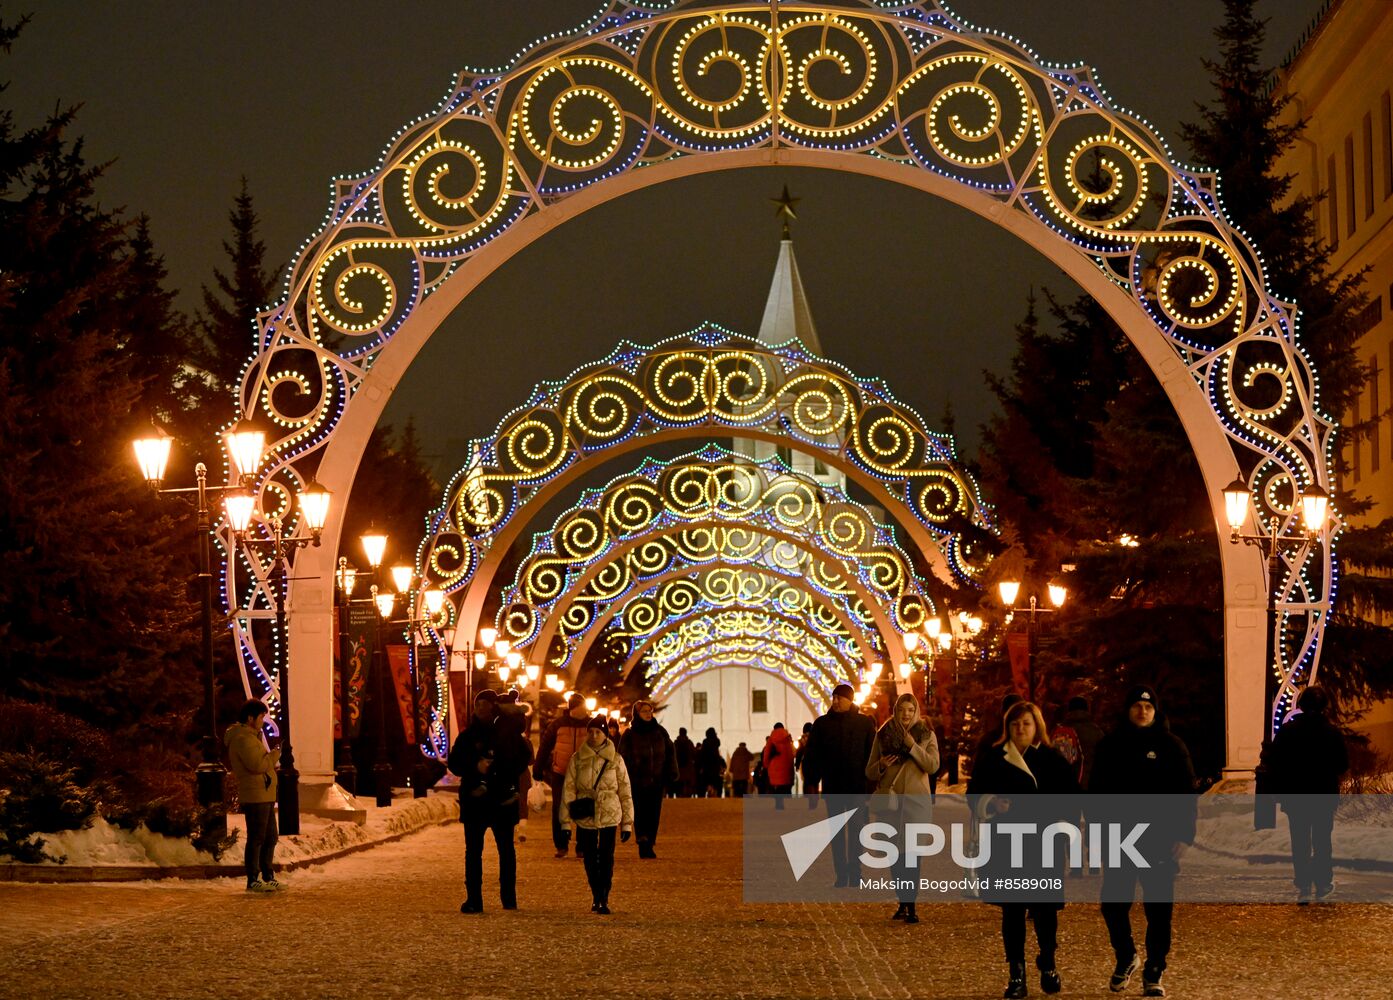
[(1143, 757), (651, 762), (489, 758), (1306, 761), (839, 747)]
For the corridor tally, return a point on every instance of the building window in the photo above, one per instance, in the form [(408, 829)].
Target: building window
[(1354, 438), (1368, 166), (785, 454), (1350, 210), (698, 702), (759, 700), (1375, 418), (1332, 202), (1386, 116)]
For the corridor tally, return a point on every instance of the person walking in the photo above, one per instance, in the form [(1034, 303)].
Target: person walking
[(838, 748), (903, 761), (596, 794), (740, 760), (800, 755), (254, 767), (489, 756), (1088, 733), (651, 761), (777, 757), (1143, 757), (1022, 779), (686, 753), (711, 764), (1306, 760), (561, 740)]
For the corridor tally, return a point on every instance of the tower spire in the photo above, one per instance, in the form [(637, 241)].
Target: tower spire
[(784, 210), (786, 313)]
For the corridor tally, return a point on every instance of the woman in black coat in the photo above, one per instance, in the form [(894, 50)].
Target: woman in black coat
[(1006, 786)]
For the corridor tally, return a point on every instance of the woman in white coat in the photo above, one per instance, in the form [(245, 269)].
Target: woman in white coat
[(596, 796)]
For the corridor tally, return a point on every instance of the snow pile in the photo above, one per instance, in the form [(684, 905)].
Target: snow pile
[(102, 844), (1363, 829)]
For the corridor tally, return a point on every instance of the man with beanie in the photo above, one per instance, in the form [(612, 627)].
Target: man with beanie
[(489, 756), (652, 764), (838, 748), (1143, 757), (562, 738)]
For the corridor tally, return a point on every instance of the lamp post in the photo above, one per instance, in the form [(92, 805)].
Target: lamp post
[(152, 456), (1009, 590), (430, 602), (1315, 506), (313, 503), (374, 545), (345, 579)]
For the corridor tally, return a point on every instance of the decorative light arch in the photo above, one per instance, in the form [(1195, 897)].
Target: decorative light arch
[(703, 625), (708, 504), (653, 612), (771, 657), (908, 93)]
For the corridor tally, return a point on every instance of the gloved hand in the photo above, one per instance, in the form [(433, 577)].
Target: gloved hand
[(624, 836)]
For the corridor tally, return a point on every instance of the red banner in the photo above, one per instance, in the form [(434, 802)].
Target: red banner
[(356, 636), (399, 657), (1018, 648), (459, 697)]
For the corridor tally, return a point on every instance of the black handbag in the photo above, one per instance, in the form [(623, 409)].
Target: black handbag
[(584, 807)]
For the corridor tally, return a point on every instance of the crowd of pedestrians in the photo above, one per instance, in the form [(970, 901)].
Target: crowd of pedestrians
[(610, 786)]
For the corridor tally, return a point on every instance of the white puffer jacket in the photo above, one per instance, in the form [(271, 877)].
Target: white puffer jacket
[(614, 802)]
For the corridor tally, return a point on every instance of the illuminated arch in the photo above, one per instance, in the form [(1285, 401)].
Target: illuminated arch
[(770, 657), (906, 93), (655, 644)]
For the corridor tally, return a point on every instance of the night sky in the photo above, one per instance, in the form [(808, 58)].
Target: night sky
[(188, 96)]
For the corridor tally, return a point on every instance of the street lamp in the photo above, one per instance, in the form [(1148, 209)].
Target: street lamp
[(345, 580), (1315, 506), (1009, 590), (374, 545), (313, 504), (430, 601), (152, 456)]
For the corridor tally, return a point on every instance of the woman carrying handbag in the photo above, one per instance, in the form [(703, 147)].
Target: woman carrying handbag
[(903, 759), (596, 795)]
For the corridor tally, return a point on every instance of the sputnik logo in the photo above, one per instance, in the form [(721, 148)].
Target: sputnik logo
[(804, 845)]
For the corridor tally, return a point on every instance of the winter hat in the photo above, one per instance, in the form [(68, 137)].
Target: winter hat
[(597, 722), (843, 691), (1313, 701), (1008, 701), (633, 713), (1143, 692), (778, 725), (1077, 704), (487, 694), (510, 696), (575, 701)]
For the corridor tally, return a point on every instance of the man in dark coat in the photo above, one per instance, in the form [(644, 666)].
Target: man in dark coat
[(651, 761), (685, 750), (838, 748), (1142, 757), (1306, 761), (489, 758)]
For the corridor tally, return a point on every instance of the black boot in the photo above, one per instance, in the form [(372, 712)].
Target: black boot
[(1049, 974), (910, 917), (900, 912), (1015, 986)]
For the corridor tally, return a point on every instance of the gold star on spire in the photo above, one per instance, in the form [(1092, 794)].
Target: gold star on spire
[(785, 203)]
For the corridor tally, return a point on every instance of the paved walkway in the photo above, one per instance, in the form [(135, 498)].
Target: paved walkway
[(386, 923)]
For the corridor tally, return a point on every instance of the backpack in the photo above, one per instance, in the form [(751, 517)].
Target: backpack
[(1066, 741)]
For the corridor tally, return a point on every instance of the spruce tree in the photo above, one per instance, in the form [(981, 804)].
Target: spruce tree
[(230, 307), (94, 615)]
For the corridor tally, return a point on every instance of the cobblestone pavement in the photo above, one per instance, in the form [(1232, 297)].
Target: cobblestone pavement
[(386, 923)]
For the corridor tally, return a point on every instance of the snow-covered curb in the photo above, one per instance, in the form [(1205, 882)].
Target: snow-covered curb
[(103, 853)]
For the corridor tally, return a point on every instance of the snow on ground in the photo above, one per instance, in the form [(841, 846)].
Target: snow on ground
[(102, 844)]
